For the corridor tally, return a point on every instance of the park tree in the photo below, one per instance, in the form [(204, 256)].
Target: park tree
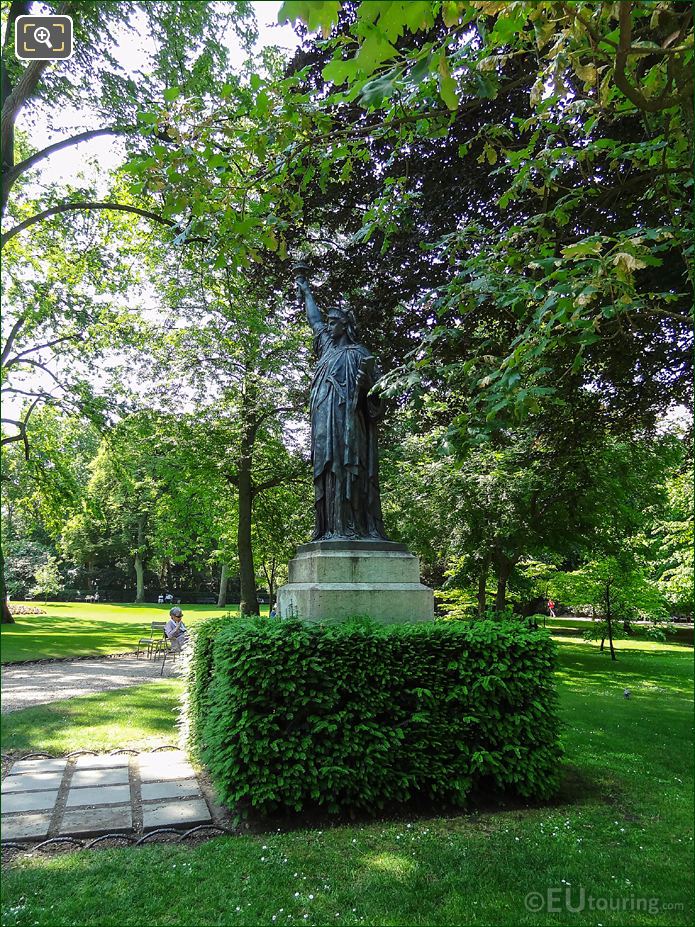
[(671, 539), (154, 502), (120, 501), (43, 317), (549, 496), (48, 579), (94, 83), (55, 332), (616, 588), (40, 491), (576, 274), (232, 348)]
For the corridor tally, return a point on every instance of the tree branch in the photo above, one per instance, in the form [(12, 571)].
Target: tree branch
[(276, 481), (39, 347), (653, 105), (27, 163), (17, 97), (22, 429), (11, 337), (35, 363), (74, 207), (41, 394)]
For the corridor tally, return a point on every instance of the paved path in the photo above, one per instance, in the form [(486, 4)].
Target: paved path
[(92, 795), (24, 686)]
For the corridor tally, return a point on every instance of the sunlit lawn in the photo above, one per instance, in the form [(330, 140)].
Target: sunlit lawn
[(75, 629), (621, 831), (142, 717)]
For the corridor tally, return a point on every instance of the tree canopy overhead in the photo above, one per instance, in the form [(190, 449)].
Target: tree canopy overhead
[(502, 193)]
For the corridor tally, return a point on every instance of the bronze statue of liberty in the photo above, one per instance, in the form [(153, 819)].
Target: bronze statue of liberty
[(344, 420)]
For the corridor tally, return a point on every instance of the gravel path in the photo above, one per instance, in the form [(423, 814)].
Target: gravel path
[(40, 683)]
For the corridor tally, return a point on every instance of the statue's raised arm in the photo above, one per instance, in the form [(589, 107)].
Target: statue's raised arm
[(312, 313)]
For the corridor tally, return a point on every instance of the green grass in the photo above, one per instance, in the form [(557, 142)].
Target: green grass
[(139, 716), (76, 629), (621, 829)]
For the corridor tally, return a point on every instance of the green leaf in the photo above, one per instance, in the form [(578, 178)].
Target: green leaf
[(421, 69), (317, 14), (376, 91), (171, 94), (374, 51), (339, 71), (447, 84), (509, 23)]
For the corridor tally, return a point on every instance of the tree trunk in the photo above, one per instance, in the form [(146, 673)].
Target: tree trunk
[(139, 578), (482, 587), (139, 563), (224, 580), (6, 613), (247, 572), (609, 622), (271, 583), (501, 596), (504, 568)]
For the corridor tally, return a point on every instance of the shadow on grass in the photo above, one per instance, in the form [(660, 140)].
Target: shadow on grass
[(577, 788)]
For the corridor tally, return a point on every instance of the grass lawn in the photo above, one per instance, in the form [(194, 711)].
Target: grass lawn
[(138, 716), (620, 831), (76, 629)]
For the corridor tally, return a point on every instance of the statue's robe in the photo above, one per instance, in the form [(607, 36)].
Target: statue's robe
[(344, 443)]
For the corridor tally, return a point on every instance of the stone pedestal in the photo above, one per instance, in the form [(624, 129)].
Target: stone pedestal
[(333, 580)]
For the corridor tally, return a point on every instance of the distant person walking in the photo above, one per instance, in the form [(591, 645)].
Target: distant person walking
[(551, 608), (176, 631)]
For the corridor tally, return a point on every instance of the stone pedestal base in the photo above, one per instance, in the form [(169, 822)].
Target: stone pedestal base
[(330, 581)]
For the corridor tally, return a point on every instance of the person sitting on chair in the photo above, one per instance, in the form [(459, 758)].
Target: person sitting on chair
[(175, 630)]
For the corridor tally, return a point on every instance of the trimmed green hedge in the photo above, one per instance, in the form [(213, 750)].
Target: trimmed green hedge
[(289, 716), (198, 674)]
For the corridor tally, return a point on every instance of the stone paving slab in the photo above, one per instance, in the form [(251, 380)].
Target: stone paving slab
[(25, 826), (98, 795), (95, 795), (163, 759), (177, 788), (29, 801), (32, 782), (102, 761), (158, 767), (41, 765), (86, 777), (180, 771), (95, 821), (172, 813)]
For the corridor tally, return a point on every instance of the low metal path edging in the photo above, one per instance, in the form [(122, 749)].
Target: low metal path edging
[(213, 830)]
